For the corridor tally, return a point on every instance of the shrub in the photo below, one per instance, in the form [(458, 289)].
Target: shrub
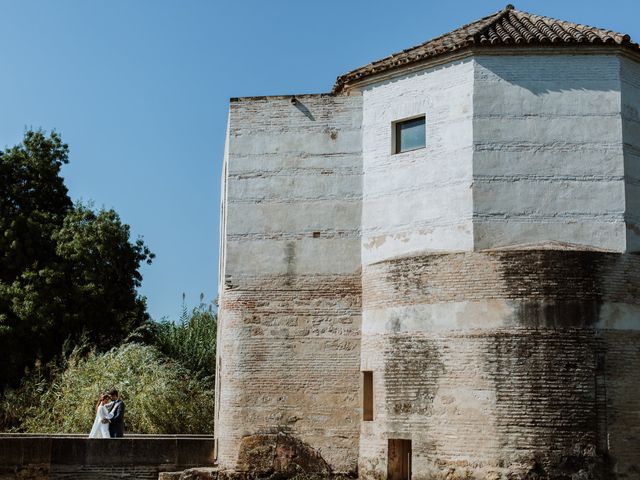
[(191, 341), (160, 394), (19, 403)]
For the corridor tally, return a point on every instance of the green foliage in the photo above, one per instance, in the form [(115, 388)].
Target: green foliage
[(17, 404), (65, 271), (33, 204), (68, 280), (33, 201), (101, 268), (161, 395), (192, 340)]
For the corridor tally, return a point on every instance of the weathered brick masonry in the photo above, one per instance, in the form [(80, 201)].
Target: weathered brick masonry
[(289, 338), (487, 283), (515, 364), (554, 277), (296, 362)]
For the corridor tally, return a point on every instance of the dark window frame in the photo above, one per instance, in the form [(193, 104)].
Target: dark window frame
[(396, 128)]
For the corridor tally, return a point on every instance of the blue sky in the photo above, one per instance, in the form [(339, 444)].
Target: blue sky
[(139, 89)]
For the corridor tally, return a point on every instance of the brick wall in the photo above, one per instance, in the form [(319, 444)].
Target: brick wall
[(501, 363), (289, 335), (336, 257)]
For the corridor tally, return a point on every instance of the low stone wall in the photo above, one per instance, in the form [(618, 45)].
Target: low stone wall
[(135, 457)]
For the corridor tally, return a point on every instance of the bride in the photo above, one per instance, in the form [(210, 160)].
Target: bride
[(99, 429)]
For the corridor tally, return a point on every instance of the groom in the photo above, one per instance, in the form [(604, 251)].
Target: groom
[(116, 416)]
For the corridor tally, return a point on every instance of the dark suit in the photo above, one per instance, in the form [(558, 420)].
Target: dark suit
[(116, 424)]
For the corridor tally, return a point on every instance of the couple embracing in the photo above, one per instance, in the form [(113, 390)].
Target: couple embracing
[(109, 422)]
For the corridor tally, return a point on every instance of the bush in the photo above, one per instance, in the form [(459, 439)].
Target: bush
[(191, 341), (160, 394), (17, 404)]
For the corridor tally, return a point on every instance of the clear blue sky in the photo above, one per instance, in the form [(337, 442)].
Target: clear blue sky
[(139, 89)]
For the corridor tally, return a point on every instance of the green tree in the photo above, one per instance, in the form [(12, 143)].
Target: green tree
[(33, 204), (100, 267), (65, 271)]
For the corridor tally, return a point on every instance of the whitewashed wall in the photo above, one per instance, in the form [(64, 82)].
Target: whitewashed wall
[(418, 200), (548, 156), (630, 82), (522, 151)]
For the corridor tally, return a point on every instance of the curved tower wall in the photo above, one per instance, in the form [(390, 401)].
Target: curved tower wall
[(630, 99), (290, 297), (502, 337), (526, 363)]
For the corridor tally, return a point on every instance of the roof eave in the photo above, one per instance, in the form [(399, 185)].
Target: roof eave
[(347, 85)]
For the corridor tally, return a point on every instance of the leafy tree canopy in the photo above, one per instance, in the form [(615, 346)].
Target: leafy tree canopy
[(66, 271)]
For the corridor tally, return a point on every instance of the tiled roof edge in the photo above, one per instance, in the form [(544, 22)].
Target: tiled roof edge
[(506, 28)]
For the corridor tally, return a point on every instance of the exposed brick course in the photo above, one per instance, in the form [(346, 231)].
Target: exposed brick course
[(293, 366), (290, 306), (558, 275)]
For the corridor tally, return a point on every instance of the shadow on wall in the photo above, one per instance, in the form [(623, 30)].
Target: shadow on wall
[(307, 113), (546, 74)]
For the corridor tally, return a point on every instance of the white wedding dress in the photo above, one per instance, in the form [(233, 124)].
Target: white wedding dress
[(99, 429)]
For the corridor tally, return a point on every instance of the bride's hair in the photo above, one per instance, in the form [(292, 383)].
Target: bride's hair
[(102, 398)]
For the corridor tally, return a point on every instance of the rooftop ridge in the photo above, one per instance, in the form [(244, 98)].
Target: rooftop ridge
[(506, 27)]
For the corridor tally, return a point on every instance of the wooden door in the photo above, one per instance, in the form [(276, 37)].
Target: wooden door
[(399, 461)]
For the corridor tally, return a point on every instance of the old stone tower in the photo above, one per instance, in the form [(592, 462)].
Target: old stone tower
[(432, 271)]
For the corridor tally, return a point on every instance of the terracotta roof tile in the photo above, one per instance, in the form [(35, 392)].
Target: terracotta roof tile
[(508, 27)]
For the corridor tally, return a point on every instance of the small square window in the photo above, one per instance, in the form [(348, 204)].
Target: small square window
[(410, 134)]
